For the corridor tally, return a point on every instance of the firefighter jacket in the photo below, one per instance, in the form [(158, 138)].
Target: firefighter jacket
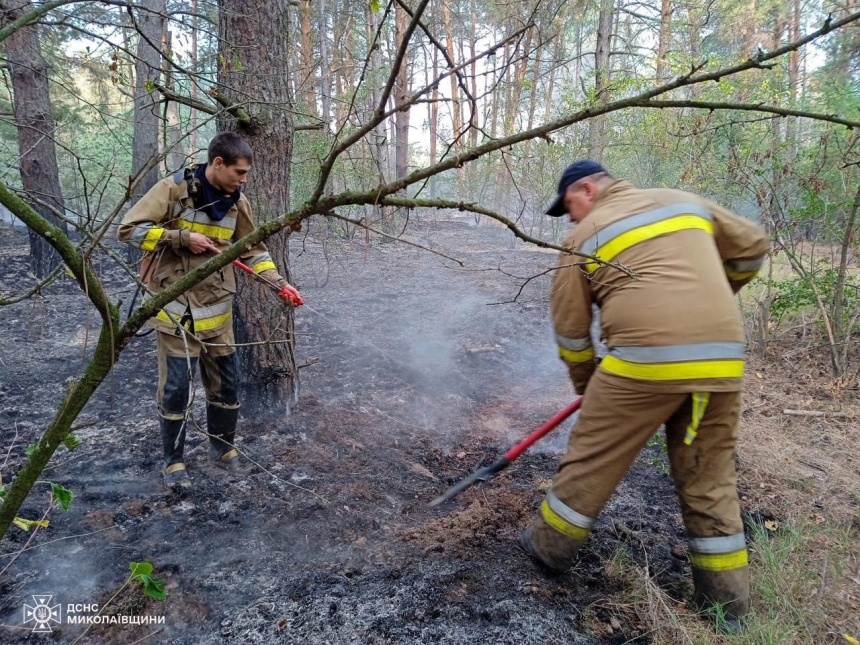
[(160, 224), (667, 311)]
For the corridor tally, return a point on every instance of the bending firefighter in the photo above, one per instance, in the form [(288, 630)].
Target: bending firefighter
[(180, 223), (676, 356)]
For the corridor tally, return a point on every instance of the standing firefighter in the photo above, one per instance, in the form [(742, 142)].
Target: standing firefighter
[(181, 223), (676, 356)]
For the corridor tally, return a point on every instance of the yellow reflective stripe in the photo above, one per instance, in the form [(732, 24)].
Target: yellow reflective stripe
[(265, 265), (720, 561), (673, 371), (557, 522), (162, 316), (736, 276), (624, 241), (700, 404), (151, 240), (572, 356), (204, 324), (207, 229), (211, 323)]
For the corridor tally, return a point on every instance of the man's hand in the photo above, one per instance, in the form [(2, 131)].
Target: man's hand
[(291, 296), (199, 243)]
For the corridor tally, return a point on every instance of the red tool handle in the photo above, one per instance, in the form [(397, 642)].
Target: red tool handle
[(293, 295), (546, 428), (290, 292), (244, 267)]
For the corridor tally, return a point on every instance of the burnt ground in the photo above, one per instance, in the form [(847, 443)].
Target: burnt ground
[(330, 539)]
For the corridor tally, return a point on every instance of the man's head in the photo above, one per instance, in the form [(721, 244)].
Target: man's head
[(578, 188), (230, 159)]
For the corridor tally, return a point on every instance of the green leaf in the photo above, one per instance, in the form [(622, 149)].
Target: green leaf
[(72, 441), (31, 449), (374, 5), (62, 495), (150, 86), (140, 569), (2, 492), (153, 587)]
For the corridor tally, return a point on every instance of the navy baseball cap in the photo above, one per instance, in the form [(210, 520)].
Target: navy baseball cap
[(573, 173)]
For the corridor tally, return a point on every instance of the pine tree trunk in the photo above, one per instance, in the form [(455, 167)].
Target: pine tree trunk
[(176, 156), (306, 73), (455, 90), (144, 146), (663, 42), (597, 126), (31, 102), (255, 66), (401, 95)]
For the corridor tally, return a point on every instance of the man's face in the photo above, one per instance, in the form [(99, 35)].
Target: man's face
[(230, 178), (579, 198)]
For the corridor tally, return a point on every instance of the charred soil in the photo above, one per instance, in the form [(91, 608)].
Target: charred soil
[(418, 380)]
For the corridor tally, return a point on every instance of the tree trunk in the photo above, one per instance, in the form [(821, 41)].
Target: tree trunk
[(434, 119), (31, 103), (325, 66), (597, 126), (663, 42), (144, 146), (793, 81), (306, 73), (171, 122), (379, 132), (401, 95), (473, 133), (841, 329), (192, 142), (254, 34), (455, 90)]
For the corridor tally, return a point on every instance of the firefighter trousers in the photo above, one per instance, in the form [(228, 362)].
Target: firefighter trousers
[(614, 425), (177, 364)]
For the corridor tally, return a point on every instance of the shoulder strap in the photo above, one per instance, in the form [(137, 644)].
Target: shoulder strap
[(187, 175)]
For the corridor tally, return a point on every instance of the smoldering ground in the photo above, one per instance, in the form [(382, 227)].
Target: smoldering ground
[(330, 539)]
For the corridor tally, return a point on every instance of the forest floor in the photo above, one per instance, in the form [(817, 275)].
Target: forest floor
[(330, 538)]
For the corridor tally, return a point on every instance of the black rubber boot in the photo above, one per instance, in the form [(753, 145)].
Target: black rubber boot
[(723, 596), (221, 426), (173, 441)]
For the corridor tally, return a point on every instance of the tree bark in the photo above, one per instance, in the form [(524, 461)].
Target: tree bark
[(325, 66), (171, 123), (455, 90), (192, 141), (663, 41), (597, 126), (255, 67), (401, 95), (473, 38), (306, 73), (144, 146), (34, 120)]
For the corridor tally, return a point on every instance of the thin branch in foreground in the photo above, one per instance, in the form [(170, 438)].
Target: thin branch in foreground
[(366, 227)]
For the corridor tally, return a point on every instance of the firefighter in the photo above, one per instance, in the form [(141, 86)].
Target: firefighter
[(662, 266), (181, 223)]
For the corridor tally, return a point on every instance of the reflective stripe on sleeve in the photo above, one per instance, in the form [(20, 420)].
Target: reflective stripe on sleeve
[(146, 236)]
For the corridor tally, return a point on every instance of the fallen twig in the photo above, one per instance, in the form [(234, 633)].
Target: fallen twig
[(818, 413), (479, 350)]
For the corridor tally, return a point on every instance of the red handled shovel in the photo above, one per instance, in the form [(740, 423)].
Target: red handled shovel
[(484, 474)]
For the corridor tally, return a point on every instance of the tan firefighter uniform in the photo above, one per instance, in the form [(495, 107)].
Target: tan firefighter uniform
[(160, 224), (676, 356)]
